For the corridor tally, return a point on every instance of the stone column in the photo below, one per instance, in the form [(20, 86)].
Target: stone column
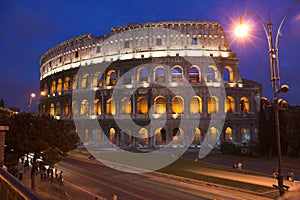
[(3, 129)]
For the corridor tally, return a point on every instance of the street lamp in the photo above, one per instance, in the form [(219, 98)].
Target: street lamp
[(32, 96), (241, 31)]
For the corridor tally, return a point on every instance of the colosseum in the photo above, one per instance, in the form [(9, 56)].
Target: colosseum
[(165, 73)]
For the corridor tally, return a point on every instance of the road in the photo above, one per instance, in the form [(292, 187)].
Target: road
[(101, 181)]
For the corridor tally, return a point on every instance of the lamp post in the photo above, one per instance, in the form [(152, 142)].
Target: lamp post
[(32, 96), (275, 79)]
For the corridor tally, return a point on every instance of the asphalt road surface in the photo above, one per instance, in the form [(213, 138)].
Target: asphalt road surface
[(106, 183)]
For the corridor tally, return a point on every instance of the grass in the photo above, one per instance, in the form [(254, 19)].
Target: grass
[(177, 169)]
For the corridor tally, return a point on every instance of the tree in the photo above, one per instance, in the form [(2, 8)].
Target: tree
[(40, 135)]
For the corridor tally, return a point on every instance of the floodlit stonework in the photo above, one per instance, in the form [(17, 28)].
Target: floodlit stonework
[(197, 51)]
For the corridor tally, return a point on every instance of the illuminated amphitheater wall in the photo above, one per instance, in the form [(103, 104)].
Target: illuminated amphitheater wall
[(127, 49)]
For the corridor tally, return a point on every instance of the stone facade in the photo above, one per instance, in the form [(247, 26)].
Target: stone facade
[(155, 63)]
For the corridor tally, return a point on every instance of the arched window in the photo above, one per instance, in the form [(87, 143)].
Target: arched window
[(143, 137), (66, 109), (213, 135), (85, 83), (97, 107), (52, 109), (112, 135), (228, 74), (160, 74), (229, 104), (59, 85), (177, 105), (196, 105), (75, 82), (177, 74), (245, 135), (142, 105), (84, 107), (111, 78), (110, 106), (67, 84), (160, 136), (228, 134), (53, 87), (97, 79), (197, 136), (211, 74), (159, 105), (86, 136), (142, 75), (126, 106), (57, 109), (213, 105), (127, 78), (178, 136), (44, 91), (194, 75), (244, 105), (74, 108)]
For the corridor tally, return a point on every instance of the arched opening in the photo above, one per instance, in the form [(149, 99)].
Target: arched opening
[(196, 105), (212, 74), (67, 84), (177, 74), (111, 78), (197, 136), (75, 82), (66, 109), (52, 109), (160, 74), (194, 74), (74, 108), (112, 135), (142, 75), (86, 136), (44, 92), (97, 79), (53, 87), (84, 107), (228, 74), (127, 78), (244, 105), (143, 137), (229, 104), (126, 138), (177, 105), (126, 107), (160, 136), (178, 137), (245, 135), (213, 105), (228, 134), (85, 83), (142, 105), (59, 85), (97, 107), (213, 136), (110, 106), (160, 105)]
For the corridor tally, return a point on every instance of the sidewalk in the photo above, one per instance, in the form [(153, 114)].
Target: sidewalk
[(49, 191)]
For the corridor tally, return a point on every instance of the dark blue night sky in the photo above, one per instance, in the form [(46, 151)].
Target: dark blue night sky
[(31, 27)]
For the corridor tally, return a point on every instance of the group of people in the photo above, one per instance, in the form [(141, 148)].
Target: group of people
[(50, 173)]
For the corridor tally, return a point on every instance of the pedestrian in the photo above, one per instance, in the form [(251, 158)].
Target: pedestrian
[(26, 165), (60, 178), (20, 170), (56, 173), (51, 175)]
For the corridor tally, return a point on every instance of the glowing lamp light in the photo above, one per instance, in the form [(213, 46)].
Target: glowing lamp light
[(32, 95), (241, 30)]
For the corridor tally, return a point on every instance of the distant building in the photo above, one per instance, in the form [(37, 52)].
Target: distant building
[(14, 109), (179, 52)]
